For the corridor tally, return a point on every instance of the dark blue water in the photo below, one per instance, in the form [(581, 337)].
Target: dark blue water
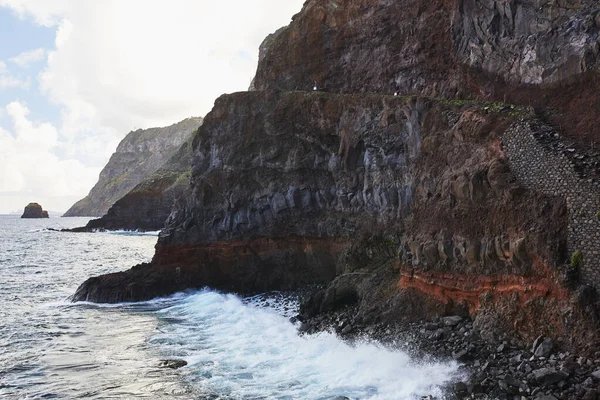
[(235, 348)]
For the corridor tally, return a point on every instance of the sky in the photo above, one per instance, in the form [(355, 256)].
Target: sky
[(77, 75)]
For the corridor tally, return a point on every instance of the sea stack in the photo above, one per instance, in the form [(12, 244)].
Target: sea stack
[(34, 210)]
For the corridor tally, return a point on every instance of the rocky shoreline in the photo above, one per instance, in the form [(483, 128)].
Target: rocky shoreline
[(486, 371), (445, 220)]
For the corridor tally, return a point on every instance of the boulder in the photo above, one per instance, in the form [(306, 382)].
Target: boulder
[(542, 347), (549, 375)]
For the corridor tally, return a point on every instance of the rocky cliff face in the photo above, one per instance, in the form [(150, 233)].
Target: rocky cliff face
[(138, 156), (410, 206), (148, 205), (510, 51)]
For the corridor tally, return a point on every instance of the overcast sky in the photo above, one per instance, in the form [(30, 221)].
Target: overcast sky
[(77, 75)]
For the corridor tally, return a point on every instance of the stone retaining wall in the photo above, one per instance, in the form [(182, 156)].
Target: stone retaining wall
[(542, 167)]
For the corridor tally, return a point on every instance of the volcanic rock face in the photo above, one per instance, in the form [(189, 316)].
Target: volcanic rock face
[(408, 207), (423, 46), (34, 210), (138, 156), (484, 49), (148, 205)]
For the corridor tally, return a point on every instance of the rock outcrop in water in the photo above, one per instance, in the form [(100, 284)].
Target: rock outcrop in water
[(148, 205), (34, 210), (404, 207), (140, 154)]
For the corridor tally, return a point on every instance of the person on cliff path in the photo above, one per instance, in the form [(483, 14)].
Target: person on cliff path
[(315, 87)]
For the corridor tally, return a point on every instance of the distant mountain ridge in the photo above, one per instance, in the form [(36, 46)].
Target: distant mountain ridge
[(138, 156), (148, 205)]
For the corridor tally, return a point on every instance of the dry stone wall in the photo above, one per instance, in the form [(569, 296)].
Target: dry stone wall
[(541, 163)]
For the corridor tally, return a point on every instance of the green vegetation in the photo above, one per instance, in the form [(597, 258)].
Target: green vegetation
[(498, 107), (457, 102), (183, 179), (576, 260), (598, 215), (117, 180)]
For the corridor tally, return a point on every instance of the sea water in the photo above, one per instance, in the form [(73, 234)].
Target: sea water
[(235, 348)]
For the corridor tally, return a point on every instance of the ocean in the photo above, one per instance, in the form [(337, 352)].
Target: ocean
[(235, 348)]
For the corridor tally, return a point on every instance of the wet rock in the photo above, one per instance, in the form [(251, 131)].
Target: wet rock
[(173, 364), (461, 389), (341, 292)]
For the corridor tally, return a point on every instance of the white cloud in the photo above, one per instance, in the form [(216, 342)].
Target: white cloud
[(145, 63), (120, 64), (44, 12), (7, 80), (30, 170), (27, 58)]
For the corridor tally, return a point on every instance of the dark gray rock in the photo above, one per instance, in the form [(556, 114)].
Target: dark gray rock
[(173, 364), (544, 348), (549, 375), (460, 388), (461, 355), (452, 320), (591, 394), (34, 210)]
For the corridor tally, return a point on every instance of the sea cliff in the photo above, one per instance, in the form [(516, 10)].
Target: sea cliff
[(148, 205), (474, 192), (140, 154)]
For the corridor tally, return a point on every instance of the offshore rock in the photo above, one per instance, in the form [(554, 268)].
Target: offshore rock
[(138, 156), (34, 210)]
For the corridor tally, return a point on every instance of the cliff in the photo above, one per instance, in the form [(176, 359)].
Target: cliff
[(147, 206), (441, 201), (137, 157), (34, 210), (539, 53)]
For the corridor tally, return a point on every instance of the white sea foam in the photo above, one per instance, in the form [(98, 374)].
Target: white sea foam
[(239, 350)]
